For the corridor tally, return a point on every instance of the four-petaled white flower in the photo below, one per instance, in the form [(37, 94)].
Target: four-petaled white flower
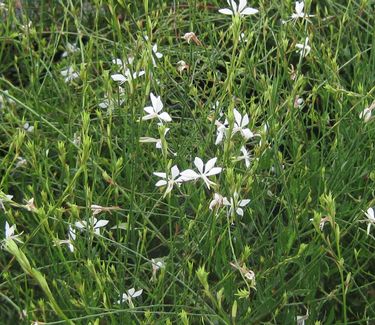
[(169, 180), (131, 293), (245, 156), (240, 123), (9, 233), (93, 223), (154, 110), (370, 219), (69, 74), (236, 205), (241, 9), (304, 49), (204, 171)]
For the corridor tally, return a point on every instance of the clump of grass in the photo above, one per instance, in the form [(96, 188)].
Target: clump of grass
[(260, 150)]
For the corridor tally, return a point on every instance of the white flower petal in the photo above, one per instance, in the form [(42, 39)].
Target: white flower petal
[(214, 171), (199, 164), (249, 11), (211, 163), (161, 183), (165, 117), (226, 11)]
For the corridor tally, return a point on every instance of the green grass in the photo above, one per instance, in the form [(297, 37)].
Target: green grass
[(309, 162)]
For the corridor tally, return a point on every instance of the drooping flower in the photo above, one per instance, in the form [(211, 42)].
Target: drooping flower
[(370, 219), (304, 49), (93, 223), (127, 76), (241, 9), (157, 264), (221, 131), (188, 37), (182, 65), (217, 202), (154, 110), (71, 238), (168, 180), (204, 171)]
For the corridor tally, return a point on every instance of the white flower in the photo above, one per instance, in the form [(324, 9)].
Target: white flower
[(240, 10), (9, 233), (366, 114), (4, 198), (192, 37), (70, 49), (304, 49), (121, 63), (301, 319), (240, 123), (154, 110), (69, 74), (182, 65), (217, 202), (170, 181), (298, 102), (245, 156), (299, 13), (156, 53), (370, 219), (21, 162), (27, 127), (131, 293), (70, 240), (127, 76), (235, 204), (204, 171), (30, 205), (157, 264), (153, 140), (93, 223), (221, 131)]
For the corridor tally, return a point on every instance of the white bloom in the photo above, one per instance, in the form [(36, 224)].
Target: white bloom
[(299, 13), (70, 49), (240, 123), (182, 65), (27, 127), (30, 205), (70, 240), (370, 219), (4, 198), (69, 74), (366, 114), (304, 49), (156, 53), (192, 37), (9, 233), (169, 180), (240, 10), (93, 223), (127, 76), (235, 204), (21, 162), (157, 264), (154, 110), (298, 102), (218, 201), (204, 171), (131, 293), (245, 156), (221, 131), (154, 140)]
